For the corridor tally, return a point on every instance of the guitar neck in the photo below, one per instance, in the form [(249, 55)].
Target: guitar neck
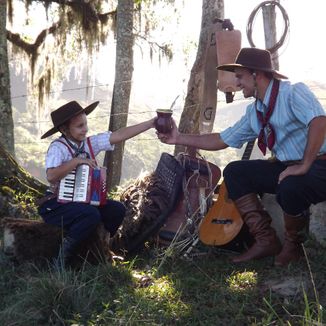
[(248, 150)]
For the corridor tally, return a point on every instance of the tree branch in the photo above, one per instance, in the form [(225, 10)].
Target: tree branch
[(30, 48), (88, 11), (162, 47), (84, 7)]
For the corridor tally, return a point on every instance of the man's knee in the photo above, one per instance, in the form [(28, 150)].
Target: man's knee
[(290, 196), (232, 169)]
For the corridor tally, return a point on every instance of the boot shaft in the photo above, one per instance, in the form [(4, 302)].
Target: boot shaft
[(66, 253), (254, 215), (296, 227), (259, 224)]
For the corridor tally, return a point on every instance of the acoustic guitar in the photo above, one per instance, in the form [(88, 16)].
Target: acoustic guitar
[(222, 223)]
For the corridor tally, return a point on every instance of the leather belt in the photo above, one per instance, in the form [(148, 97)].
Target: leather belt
[(319, 157)]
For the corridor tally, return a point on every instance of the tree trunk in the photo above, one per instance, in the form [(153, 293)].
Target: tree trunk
[(17, 186), (122, 86), (6, 121), (212, 10)]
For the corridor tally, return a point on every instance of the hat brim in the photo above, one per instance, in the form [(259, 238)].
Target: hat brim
[(231, 67), (87, 111)]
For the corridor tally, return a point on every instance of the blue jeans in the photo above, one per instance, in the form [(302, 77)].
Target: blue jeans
[(294, 194), (79, 219)]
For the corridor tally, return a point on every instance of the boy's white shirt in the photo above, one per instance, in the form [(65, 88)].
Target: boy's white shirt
[(58, 153)]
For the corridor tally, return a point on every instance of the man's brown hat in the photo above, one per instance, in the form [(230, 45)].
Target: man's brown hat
[(253, 58), (65, 112)]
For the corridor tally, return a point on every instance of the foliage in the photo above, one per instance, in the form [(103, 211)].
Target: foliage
[(72, 33)]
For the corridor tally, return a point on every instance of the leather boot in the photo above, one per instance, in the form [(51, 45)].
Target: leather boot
[(295, 229), (259, 224), (66, 252)]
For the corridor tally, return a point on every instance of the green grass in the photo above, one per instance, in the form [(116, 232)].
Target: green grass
[(150, 290)]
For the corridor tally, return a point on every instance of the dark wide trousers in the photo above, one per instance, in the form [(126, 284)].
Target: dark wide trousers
[(79, 219), (294, 194)]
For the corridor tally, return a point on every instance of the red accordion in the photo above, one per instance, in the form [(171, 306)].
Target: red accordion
[(84, 185)]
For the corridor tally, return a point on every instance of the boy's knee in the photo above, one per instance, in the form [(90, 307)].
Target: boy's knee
[(121, 210), (92, 215)]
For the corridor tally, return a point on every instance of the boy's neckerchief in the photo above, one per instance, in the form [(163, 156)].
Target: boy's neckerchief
[(78, 151)]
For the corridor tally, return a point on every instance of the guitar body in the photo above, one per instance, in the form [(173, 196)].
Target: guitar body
[(222, 223)]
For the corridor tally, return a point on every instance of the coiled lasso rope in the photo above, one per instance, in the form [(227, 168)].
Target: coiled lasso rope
[(251, 19)]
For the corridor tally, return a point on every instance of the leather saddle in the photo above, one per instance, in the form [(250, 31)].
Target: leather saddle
[(199, 182)]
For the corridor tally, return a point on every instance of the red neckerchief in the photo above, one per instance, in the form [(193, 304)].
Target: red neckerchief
[(269, 140)]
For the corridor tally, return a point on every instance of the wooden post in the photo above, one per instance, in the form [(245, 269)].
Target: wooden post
[(212, 11), (269, 200), (208, 98), (269, 18)]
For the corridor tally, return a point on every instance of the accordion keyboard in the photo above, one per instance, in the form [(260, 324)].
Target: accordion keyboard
[(66, 187), (81, 183), (74, 186)]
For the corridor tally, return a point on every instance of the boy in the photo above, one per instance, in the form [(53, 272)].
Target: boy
[(65, 154)]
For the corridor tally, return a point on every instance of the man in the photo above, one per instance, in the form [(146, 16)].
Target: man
[(288, 120)]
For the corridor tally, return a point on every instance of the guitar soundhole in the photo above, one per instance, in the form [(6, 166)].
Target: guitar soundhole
[(222, 221)]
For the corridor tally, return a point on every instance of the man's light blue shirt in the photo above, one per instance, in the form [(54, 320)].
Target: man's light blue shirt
[(295, 107)]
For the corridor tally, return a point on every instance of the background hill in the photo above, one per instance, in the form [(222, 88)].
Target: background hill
[(142, 152)]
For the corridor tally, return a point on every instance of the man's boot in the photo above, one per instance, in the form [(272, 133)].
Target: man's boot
[(66, 252), (259, 224), (295, 229)]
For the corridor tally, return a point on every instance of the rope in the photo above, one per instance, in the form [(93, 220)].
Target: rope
[(252, 16)]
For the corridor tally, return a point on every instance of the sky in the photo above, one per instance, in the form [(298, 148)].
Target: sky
[(300, 58), (156, 84), (303, 54)]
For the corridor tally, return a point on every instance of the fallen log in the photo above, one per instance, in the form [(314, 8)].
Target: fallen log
[(33, 240)]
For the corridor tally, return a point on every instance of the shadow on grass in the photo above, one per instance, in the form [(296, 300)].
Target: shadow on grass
[(205, 290)]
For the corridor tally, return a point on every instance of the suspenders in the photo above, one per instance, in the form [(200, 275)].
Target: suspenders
[(91, 149), (71, 151)]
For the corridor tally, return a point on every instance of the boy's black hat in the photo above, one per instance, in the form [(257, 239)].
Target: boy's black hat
[(65, 112), (253, 58)]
